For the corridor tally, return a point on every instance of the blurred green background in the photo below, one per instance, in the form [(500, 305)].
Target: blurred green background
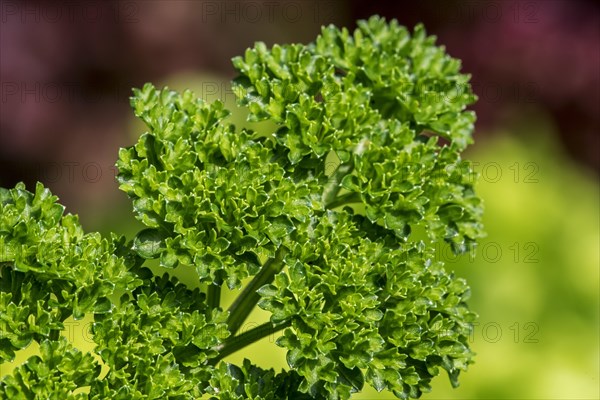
[(536, 68)]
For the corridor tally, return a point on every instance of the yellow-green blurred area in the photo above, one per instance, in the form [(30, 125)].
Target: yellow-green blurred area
[(534, 279)]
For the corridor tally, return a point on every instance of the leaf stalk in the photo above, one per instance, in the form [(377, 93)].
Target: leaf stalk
[(248, 298)]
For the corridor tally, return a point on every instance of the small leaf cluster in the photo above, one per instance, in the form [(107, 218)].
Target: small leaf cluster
[(157, 342), (330, 212), (211, 197), (230, 382), (58, 373), (50, 269), (364, 310)]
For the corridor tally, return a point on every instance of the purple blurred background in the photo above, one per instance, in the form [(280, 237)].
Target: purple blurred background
[(67, 68)]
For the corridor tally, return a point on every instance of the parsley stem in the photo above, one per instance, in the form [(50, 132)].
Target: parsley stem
[(54, 334), (245, 302), (344, 199), (213, 296), (334, 185), (242, 340)]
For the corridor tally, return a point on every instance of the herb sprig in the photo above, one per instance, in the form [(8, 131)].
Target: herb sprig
[(342, 259)]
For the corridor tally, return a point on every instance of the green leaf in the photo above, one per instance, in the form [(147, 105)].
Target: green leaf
[(149, 243), (352, 377), (351, 183), (103, 305)]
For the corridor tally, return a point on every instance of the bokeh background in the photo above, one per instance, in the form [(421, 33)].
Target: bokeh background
[(67, 69)]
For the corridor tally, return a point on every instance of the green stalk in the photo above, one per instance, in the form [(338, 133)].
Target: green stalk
[(245, 302), (213, 296), (238, 342), (54, 334), (334, 185), (347, 198), (335, 180)]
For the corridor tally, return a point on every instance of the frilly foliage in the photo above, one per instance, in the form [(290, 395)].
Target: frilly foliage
[(341, 257)]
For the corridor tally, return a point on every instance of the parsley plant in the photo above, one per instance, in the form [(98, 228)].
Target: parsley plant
[(342, 258)]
